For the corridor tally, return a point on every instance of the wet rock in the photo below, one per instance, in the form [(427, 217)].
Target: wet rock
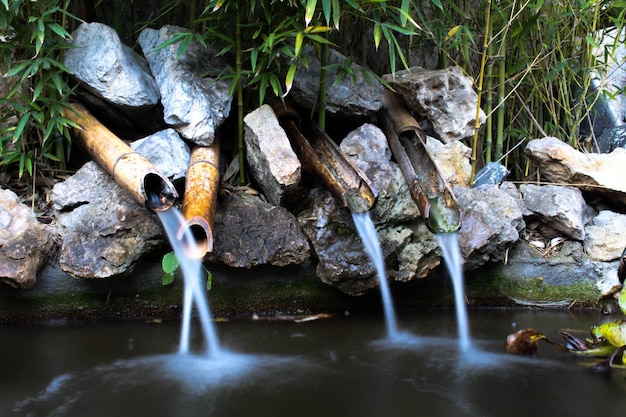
[(167, 151), (490, 223), (25, 244), (111, 70), (250, 232), (105, 230), (601, 174), (273, 163), (561, 208), (605, 236), (194, 102), (352, 96), (445, 97)]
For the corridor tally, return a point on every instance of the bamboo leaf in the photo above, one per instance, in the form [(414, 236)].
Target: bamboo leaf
[(327, 8), (298, 45), (309, 11), (555, 71), (290, 76), (377, 34), (336, 13)]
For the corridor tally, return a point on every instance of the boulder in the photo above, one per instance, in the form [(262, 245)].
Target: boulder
[(605, 236), (111, 70), (25, 244), (358, 94), (601, 174), (105, 230), (273, 163), (250, 232), (563, 209), (167, 151), (446, 97), (195, 102)]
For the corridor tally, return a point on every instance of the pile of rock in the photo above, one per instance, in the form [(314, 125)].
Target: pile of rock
[(102, 232)]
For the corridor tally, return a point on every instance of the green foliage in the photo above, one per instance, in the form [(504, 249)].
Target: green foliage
[(32, 126), (170, 265)]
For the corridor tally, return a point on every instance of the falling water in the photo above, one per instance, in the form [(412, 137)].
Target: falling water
[(173, 222), (451, 252), (369, 237)]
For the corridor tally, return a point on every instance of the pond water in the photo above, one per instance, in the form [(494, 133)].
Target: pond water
[(344, 366)]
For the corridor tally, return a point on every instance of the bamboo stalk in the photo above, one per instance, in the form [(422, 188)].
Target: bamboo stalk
[(200, 200), (131, 170)]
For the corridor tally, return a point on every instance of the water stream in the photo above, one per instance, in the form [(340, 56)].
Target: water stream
[(369, 237), (451, 252), (191, 267)]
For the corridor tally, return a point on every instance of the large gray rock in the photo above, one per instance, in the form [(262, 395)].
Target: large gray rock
[(368, 149), (25, 244), (167, 151), (605, 236), (250, 232), (349, 95), (195, 103), (446, 97), (561, 208), (111, 70), (104, 229), (490, 223), (602, 174), (273, 163)]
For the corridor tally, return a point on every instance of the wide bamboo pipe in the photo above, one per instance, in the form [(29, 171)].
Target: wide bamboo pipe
[(318, 152), (200, 199), (428, 189), (131, 170)]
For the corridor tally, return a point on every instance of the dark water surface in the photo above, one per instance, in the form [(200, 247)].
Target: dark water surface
[(338, 367)]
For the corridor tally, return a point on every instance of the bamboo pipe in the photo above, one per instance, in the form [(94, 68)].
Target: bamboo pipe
[(320, 153), (131, 170), (428, 189), (200, 200)]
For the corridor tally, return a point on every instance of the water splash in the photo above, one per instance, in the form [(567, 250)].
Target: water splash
[(173, 222), (451, 252), (369, 237)]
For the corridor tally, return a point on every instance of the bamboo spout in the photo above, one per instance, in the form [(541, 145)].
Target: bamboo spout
[(426, 184), (344, 180), (200, 200), (131, 170)]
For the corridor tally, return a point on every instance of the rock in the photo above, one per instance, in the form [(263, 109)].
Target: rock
[(490, 223), (452, 160), (167, 151), (351, 96), (25, 244), (273, 163), (249, 232), (195, 103), (612, 138), (446, 97), (605, 236), (368, 149), (561, 208), (104, 229), (601, 174), (110, 70)]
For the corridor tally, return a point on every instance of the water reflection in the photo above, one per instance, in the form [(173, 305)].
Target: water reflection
[(339, 367)]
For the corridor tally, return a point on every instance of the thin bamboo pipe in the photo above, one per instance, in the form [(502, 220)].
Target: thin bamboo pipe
[(131, 170), (200, 200), (428, 189), (343, 179)]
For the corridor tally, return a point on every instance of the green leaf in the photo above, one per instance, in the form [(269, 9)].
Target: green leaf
[(167, 278), (290, 75), (209, 281), (327, 7), (614, 333), (169, 262), (309, 11)]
